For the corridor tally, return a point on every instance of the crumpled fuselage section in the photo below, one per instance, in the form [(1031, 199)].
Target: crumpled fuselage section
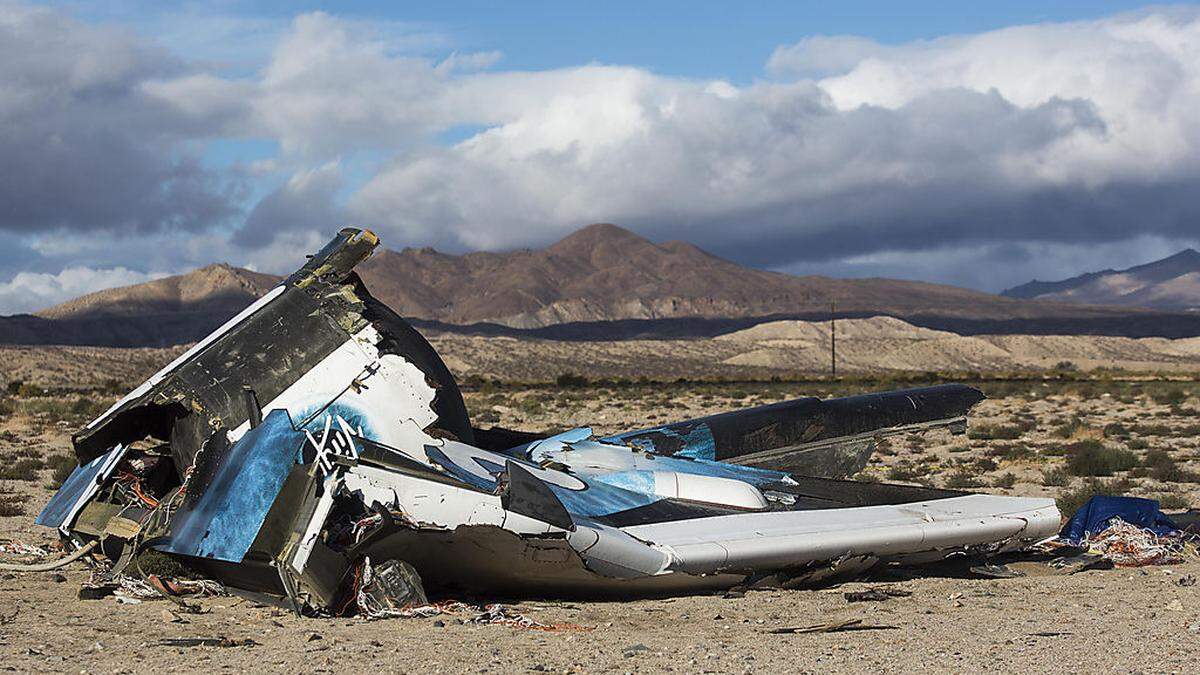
[(317, 433)]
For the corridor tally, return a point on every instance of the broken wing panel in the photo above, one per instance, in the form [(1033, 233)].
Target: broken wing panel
[(79, 487), (831, 438), (776, 540)]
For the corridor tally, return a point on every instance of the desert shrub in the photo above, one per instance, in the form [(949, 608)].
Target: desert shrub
[(1160, 465), (1067, 429), (1115, 430), (12, 505), (25, 468), (88, 407), (1090, 460), (1152, 429), (1071, 499), (1171, 396), (1056, 477), (1005, 480), (26, 390), (1066, 366), (985, 464), (1073, 448), (1172, 501), (14, 387), (571, 380), (988, 432), (60, 467), (959, 448), (909, 472), (531, 405), (1137, 444), (1010, 451), (963, 479)]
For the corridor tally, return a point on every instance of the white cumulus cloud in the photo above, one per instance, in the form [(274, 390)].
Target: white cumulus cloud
[(30, 291)]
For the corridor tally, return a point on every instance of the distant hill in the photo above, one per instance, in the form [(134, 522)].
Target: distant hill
[(158, 313), (601, 282), (1172, 283), (607, 273)]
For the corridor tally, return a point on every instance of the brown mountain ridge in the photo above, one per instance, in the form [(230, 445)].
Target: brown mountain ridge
[(598, 277)]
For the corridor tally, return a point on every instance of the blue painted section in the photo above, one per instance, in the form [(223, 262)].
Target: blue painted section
[(76, 487), (599, 499), (749, 474), (353, 415), (698, 442), (226, 518), (635, 481), (547, 445)]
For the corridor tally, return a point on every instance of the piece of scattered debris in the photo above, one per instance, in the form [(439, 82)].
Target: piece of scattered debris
[(389, 587), (1073, 564), (996, 571), (830, 627), (317, 431), (876, 594), (219, 641)]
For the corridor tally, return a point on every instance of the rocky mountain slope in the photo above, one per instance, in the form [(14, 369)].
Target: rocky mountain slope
[(602, 281), (1172, 283)]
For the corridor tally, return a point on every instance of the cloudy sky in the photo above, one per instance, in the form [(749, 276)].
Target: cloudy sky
[(980, 148)]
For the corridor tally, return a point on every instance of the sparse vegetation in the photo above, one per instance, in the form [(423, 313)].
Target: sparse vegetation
[(25, 468), (1172, 396), (1171, 501), (11, 503), (963, 479), (1071, 499), (570, 380), (990, 432), (1010, 452), (1161, 466), (908, 472), (1056, 477), (60, 467), (1096, 459), (1005, 480)]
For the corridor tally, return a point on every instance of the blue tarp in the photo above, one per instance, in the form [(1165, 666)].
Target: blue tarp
[(1093, 517)]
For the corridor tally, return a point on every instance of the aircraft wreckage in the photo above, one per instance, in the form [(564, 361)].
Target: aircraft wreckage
[(317, 434)]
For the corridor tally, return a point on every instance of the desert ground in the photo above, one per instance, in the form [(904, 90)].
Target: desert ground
[(1067, 432)]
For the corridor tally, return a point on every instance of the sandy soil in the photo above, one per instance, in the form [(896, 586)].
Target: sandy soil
[(1117, 620)]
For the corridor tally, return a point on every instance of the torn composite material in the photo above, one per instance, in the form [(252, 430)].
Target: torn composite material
[(317, 430)]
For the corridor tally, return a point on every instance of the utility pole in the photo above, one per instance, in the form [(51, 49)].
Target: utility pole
[(833, 339)]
